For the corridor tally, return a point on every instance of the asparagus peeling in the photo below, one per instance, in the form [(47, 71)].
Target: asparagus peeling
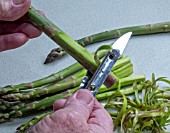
[(145, 113)]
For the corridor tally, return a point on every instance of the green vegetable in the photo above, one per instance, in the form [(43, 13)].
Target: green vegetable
[(112, 34), (148, 113), (79, 53)]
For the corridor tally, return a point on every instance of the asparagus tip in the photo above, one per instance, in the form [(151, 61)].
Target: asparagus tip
[(55, 54)]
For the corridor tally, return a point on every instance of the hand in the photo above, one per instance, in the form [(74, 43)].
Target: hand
[(15, 29), (80, 113)]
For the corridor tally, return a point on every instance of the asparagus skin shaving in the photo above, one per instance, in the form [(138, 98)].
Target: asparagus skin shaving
[(148, 112), (79, 53), (112, 34)]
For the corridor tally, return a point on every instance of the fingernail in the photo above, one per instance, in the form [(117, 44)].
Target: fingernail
[(18, 2), (84, 96)]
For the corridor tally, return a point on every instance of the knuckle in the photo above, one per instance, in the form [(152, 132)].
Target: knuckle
[(72, 117), (72, 120)]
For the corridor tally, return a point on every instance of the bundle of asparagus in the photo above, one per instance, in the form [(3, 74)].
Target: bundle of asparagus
[(22, 99), (133, 115), (19, 99)]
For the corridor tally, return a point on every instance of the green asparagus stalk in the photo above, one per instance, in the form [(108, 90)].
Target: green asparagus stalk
[(126, 91), (43, 91), (56, 76), (58, 87), (68, 82), (56, 53), (63, 85), (136, 30), (6, 104), (36, 105), (112, 34), (82, 55), (124, 82), (122, 72), (48, 101), (25, 126), (102, 96), (52, 78)]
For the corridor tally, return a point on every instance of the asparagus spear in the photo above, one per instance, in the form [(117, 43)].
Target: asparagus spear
[(56, 53), (43, 91), (25, 126), (59, 75), (101, 96), (54, 77), (63, 85), (82, 55), (124, 82), (112, 34), (48, 101)]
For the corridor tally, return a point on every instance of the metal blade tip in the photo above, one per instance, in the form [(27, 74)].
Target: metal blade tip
[(120, 44)]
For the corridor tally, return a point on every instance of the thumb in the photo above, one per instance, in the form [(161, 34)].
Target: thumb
[(11, 10), (81, 102), (70, 116)]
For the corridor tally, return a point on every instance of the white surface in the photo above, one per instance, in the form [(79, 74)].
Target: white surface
[(80, 18)]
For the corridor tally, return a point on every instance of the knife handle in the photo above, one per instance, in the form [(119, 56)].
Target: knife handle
[(103, 71)]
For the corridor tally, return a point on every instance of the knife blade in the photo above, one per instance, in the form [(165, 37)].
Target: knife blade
[(94, 82)]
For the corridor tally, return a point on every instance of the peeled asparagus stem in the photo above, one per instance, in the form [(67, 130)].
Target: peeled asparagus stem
[(79, 53)]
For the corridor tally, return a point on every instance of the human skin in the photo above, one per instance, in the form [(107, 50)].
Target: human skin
[(15, 28), (80, 113)]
